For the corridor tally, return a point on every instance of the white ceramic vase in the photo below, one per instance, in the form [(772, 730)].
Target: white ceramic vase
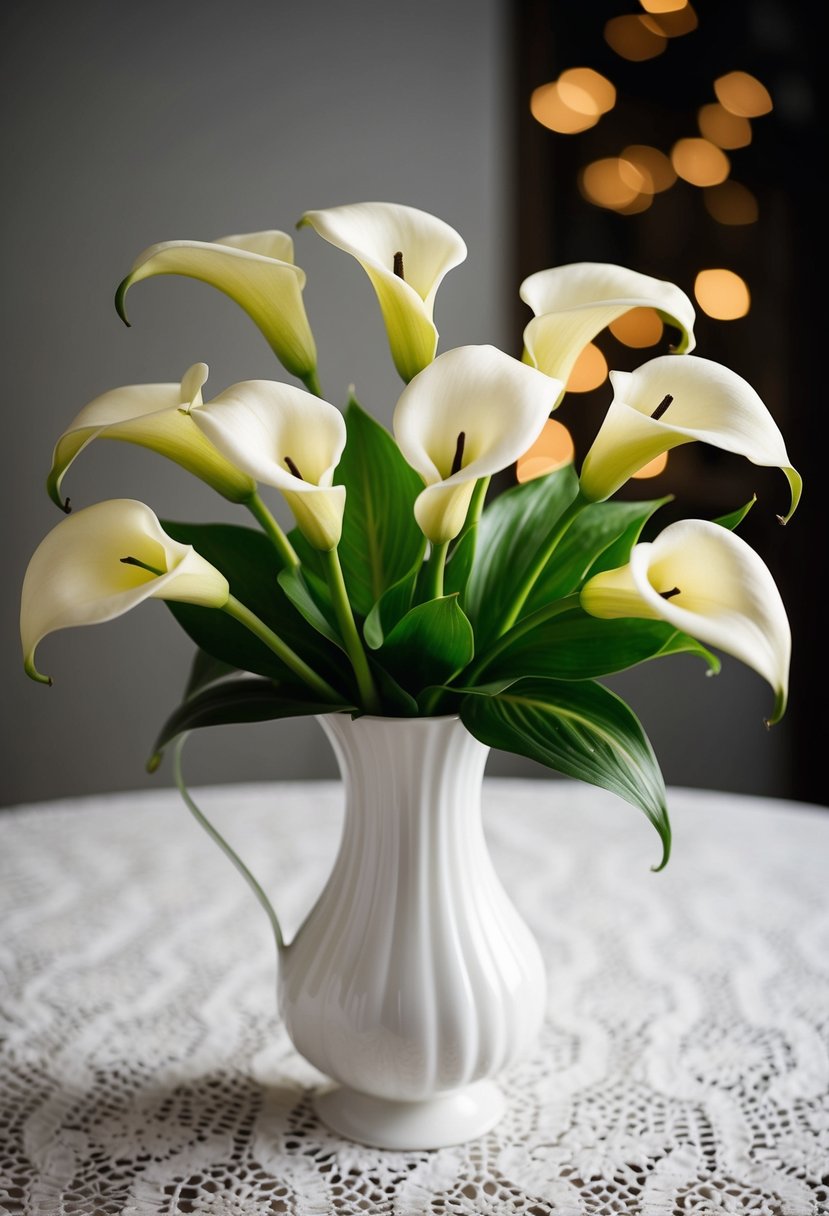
[(413, 980)]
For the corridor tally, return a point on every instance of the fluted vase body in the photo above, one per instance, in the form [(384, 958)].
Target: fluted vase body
[(413, 980)]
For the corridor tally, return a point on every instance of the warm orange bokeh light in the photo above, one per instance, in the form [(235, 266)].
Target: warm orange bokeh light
[(723, 128), (655, 167), (672, 23), (597, 87), (722, 294), (662, 6), (552, 450), (731, 203), (589, 370), (632, 38), (653, 468), (700, 162), (638, 328), (612, 182), (549, 107), (743, 95)]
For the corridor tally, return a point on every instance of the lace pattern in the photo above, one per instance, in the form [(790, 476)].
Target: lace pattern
[(683, 1068)]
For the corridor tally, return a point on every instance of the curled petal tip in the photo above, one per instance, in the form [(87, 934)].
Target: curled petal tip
[(33, 673), (120, 300), (154, 761)]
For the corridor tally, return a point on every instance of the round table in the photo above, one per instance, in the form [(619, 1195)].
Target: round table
[(683, 1066)]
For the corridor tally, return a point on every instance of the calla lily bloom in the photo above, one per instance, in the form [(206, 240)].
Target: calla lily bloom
[(256, 270), (102, 561), (154, 416), (286, 438), (468, 415), (667, 402), (405, 253), (707, 582), (573, 303)]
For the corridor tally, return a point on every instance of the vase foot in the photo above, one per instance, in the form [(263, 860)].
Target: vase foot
[(450, 1118)]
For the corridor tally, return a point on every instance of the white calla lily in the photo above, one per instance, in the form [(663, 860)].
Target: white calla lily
[(255, 269), (286, 438), (468, 415), (153, 416), (668, 402), (573, 303), (100, 562), (707, 582), (406, 253)]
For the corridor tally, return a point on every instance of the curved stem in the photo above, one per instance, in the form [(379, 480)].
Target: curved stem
[(433, 575), (529, 622), (476, 503), (311, 382), (348, 629), (281, 543), (282, 650), (572, 512)]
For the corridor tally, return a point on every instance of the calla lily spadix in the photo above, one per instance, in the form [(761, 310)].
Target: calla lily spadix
[(468, 415), (100, 562), (707, 582), (286, 438), (573, 303), (406, 253), (256, 270), (153, 416), (668, 402)]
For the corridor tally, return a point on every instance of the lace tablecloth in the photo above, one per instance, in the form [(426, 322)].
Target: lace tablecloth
[(683, 1068)]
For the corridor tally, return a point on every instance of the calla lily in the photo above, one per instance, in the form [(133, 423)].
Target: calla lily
[(102, 561), (256, 270), (468, 415), (709, 583), (574, 303), (405, 253), (667, 402), (286, 438), (154, 416)]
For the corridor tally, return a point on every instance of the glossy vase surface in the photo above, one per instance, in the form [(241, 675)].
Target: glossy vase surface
[(413, 980)]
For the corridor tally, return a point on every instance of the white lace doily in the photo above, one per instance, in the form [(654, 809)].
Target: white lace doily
[(684, 1066)]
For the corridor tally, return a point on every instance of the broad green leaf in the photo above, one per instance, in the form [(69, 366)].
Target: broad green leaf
[(250, 563), (381, 541), (397, 703), (733, 520), (513, 528), (581, 730), (459, 566), (296, 586), (577, 646), (604, 531), (429, 645), (391, 607), (243, 700), (205, 670)]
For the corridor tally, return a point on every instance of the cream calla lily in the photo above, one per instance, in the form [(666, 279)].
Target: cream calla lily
[(667, 402), (79, 574), (286, 438), (709, 583), (154, 416), (574, 303), (405, 253), (468, 415), (256, 270)]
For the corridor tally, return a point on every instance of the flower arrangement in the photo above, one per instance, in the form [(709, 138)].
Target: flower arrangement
[(402, 591)]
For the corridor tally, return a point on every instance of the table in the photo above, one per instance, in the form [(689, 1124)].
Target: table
[(683, 1068)]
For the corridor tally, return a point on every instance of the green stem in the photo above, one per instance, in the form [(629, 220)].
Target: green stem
[(476, 503), (529, 622), (311, 382), (348, 629), (573, 511), (281, 649), (283, 546), (433, 575)]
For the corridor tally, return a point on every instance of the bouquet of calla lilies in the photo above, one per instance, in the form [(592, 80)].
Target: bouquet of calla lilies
[(401, 591)]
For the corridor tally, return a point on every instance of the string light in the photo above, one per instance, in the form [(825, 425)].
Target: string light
[(722, 294), (633, 38), (553, 449), (723, 128), (589, 370), (550, 109), (700, 162), (638, 328), (743, 95)]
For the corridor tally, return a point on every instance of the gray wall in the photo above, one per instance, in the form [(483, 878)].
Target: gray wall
[(135, 123)]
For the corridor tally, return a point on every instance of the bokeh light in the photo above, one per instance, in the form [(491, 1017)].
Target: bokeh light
[(633, 38), (589, 370), (601, 92), (638, 328), (700, 162), (731, 203), (662, 6), (653, 468), (548, 107), (552, 450), (672, 23), (722, 294), (723, 128), (656, 169), (743, 94), (612, 182)]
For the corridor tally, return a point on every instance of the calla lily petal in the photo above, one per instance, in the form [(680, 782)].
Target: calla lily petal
[(154, 416), (574, 303), (668, 402), (256, 270), (286, 438), (78, 575), (405, 253), (468, 415), (707, 582)]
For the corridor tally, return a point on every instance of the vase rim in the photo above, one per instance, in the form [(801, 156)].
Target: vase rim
[(392, 718)]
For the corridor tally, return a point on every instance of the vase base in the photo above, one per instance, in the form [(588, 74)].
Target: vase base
[(450, 1118)]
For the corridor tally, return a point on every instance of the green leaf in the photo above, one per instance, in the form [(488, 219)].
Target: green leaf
[(250, 563), (581, 730), (205, 670), (429, 645), (459, 566), (243, 700), (381, 541), (733, 520), (397, 703), (391, 607), (297, 586), (600, 538), (513, 529), (577, 646)]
